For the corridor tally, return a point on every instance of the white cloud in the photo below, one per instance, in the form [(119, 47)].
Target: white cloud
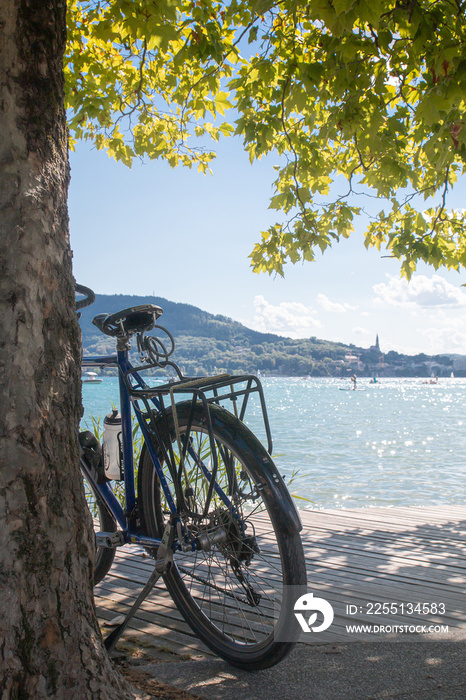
[(359, 330), (444, 339), (333, 306), (421, 291), (291, 319)]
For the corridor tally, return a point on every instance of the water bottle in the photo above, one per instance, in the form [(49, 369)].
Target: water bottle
[(112, 446)]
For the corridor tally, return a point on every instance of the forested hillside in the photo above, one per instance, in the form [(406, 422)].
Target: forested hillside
[(207, 344)]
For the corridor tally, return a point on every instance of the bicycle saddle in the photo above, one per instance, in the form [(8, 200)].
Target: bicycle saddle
[(135, 319)]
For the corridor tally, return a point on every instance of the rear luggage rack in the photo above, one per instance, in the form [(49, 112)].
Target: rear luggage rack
[(218, 389)]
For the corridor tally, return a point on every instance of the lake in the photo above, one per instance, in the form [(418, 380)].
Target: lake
[(399, 442)]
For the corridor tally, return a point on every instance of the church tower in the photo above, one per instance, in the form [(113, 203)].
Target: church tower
[(376, 347)]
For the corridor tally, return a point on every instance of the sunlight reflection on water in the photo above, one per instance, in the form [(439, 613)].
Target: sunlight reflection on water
[(398, 442)]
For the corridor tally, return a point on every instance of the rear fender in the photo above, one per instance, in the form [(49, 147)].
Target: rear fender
[(276, 495), (269, 480)]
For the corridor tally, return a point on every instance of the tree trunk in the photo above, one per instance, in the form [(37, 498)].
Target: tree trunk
[(50, 645)]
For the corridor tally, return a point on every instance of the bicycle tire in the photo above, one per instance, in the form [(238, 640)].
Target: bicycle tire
[(103, 522), (220, 610)]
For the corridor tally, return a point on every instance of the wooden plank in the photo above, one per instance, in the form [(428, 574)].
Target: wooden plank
[(352, 583), (387, 517), (383, 561), (387, 520), (422, 532), (384, 588), (376, 559), (352, 556), (427, 537), (432, 545)]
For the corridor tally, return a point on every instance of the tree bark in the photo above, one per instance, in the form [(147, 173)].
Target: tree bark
[(50, 644)]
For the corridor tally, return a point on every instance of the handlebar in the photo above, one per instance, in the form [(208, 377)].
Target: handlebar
[(88, 294)]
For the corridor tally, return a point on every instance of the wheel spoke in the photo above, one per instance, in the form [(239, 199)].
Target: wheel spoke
[(229, 586)]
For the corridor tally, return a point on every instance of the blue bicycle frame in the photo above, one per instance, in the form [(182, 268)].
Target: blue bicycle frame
[(123, 517), (129, 531)]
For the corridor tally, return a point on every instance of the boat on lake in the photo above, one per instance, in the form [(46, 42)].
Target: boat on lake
[(433, 380), (91, 378)]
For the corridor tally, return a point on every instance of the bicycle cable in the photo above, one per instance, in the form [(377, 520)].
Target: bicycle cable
[(152, 349)]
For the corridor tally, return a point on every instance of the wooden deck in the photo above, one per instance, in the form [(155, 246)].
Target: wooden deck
[(354, 557)]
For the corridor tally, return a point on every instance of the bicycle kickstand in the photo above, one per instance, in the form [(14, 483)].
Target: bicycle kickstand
[(163, 561)]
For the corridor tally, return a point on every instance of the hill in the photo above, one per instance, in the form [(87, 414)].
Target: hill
[(208, 343)]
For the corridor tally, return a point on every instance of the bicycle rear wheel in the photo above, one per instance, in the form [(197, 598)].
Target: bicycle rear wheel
[(237, 591), (103, 522)]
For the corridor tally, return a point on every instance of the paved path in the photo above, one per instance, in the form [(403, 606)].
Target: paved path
[(357, 671)]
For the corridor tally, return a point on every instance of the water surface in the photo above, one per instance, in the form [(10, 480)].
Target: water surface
[(400, 442)]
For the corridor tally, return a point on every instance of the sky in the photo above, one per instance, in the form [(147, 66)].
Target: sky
[(185, 236)]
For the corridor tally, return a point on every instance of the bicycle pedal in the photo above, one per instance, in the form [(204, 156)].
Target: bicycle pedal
[(110, 540)]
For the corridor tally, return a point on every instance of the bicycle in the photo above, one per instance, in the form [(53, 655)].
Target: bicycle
[(211, 507)]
